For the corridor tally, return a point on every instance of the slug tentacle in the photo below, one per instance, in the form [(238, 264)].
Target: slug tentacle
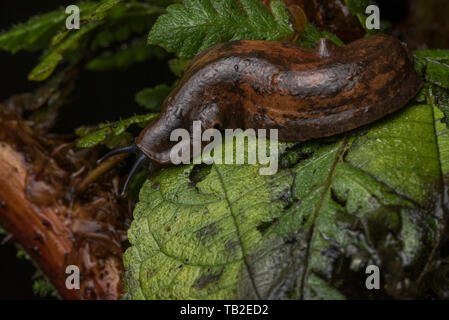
[(129, 149), (141, 162)]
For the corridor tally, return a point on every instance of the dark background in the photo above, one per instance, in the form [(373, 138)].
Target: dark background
[(93, 98)]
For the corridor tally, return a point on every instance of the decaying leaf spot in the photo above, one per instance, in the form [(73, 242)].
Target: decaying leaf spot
[(206, 279)]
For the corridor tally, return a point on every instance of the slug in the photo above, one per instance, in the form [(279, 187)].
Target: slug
[(304, 93)]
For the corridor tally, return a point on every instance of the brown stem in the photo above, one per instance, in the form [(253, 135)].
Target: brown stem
[(99, 171), (38, 229)]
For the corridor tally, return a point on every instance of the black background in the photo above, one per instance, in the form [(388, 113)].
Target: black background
[(97, 94)]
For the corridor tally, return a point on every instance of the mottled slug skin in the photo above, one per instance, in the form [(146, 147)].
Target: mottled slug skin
[(304, 93)]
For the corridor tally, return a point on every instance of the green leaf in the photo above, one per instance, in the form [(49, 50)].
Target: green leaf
[(373, 196), (370, 197), (36, 34), (162, 3), (433, 65), (195, 25), (111, 130), (438, 74), (119, 20), (125, 20), (104, 7), (42, 286), (51, 60), (436, 55), (440, 98), (126, 56), (178, 66), (311, 35), (152, 98)]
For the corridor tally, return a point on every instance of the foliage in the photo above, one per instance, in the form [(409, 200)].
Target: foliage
[(108, 131), (434, 68), (178, 66), (223, 231), (126, 56), (311, 34), (185, 18), (195, 25), (152, 98), (102, 24), (42, 287), (37, 33), (371, 196)]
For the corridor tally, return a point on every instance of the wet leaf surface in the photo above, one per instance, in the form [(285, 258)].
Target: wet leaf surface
[(375, 196)]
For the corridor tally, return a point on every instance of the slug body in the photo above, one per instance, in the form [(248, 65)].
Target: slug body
[(304, 93)]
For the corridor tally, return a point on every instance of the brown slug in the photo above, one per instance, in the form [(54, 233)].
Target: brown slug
[(304, 93)]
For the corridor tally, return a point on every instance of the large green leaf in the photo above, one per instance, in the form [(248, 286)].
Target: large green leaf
[(376, 195), (373, 196), (195, 25)]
